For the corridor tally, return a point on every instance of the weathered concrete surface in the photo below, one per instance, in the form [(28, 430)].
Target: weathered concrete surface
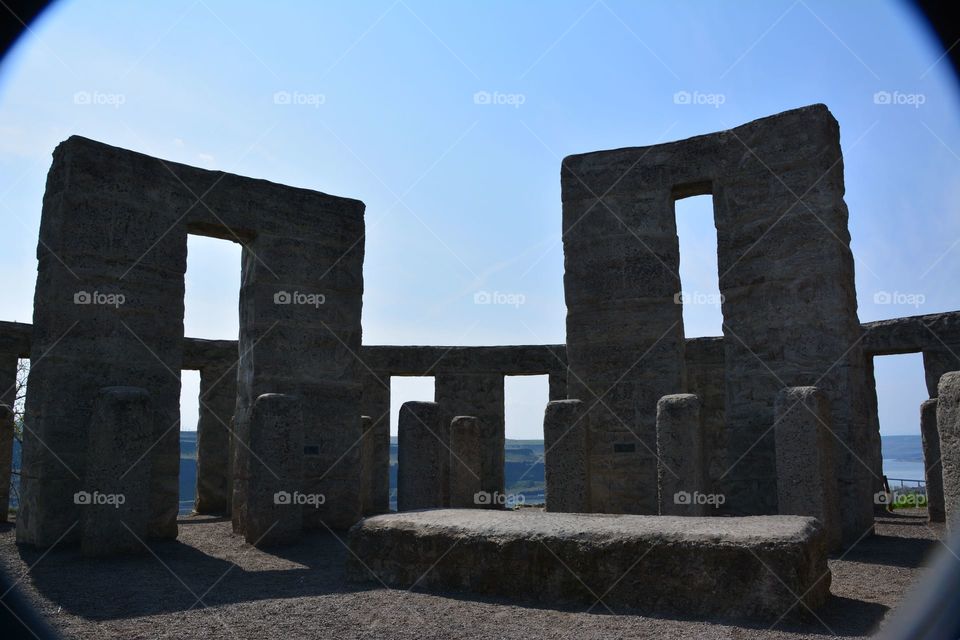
[(6, 458), (423, 456), (948, 424), (421, 360), (466, 461), (272, 512), (932, 463), (680, 472), (375, 402), (912, 334), (938, 360), (806, 472), (114, 500), (786, 276), (566, 452), (479, 395), (218, 400), (705, 372), (690, 566)]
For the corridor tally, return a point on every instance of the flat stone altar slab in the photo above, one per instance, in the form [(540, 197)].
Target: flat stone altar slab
[(754, 567)]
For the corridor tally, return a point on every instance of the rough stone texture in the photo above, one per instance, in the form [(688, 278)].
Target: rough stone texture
[(806, 471), (705, 371), (786, 273), (466, 460), (6, 458), (566, 431), (418, 360), (270, 513), (481, 396), (680, 456), (114, 497), (948, 424), (423, 456), (750, 567), (933, 466), (115, 222), (557, 381), (938, 361), (875, 450), (218, 400), (375, 402), (912, 334)]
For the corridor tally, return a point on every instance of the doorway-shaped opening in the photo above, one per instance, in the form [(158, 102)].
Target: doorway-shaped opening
[(699, 279), (189, 418), (403, 389), (900, 391), (525, 399), (17, 398)]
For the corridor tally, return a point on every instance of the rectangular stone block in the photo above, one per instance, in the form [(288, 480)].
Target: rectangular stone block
[(466, 461), (423, 456), (6, 459), (680, 468), (114, 498), (272, 479), (806, 480), (932, 461), (566, 453), (218, 401), (948, 424), (374, 446), (738, 567)]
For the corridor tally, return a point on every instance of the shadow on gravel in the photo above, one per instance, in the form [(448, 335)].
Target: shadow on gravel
[(892, 551)]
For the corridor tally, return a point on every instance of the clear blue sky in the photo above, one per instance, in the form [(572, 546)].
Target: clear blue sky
[(464, 197)]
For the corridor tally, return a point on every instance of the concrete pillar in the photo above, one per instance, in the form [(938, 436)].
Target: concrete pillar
[(218, 400), (938, 361), (705, 378), (479, 395), (566, 445), (948, 424), (465, 462), (558, 385), (6, 458), (806, 477), (8, 378), (424, 457), (375, 403), (680, 472), (875, 458), (932, 465), (272, 480), (114, 499)]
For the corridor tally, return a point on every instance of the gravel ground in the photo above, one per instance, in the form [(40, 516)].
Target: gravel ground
[(210, 584)]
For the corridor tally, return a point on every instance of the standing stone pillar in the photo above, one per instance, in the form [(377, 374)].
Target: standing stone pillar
[(375, 403), (938, 361), (932, 465), (806, 477), (875, 459), (479, 395), (9, 363), (566, 454), (558, 385), (465, 463), (948, 424), (115, 496), (272, 481), (424, 457), (218, 400), (680, 472), (6, 458)]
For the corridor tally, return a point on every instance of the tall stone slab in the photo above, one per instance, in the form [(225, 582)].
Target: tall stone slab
[(939, 360), (932, 462), (218, 400), (114, 501), (423, 456), (948, 424), (466, 460), (375, 403), (566, 452), (479, 395), (276, 493), (6, 458), (705, 379), (786, 274), (680, 456), (806, 471)]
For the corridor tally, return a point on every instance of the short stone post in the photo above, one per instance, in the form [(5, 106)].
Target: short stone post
[(566, 456), (274, 505), (948, 424), (806, 476), (6, 459), (423, 457), (114, 500), (466, 459), (932, 466), (680, 469)]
